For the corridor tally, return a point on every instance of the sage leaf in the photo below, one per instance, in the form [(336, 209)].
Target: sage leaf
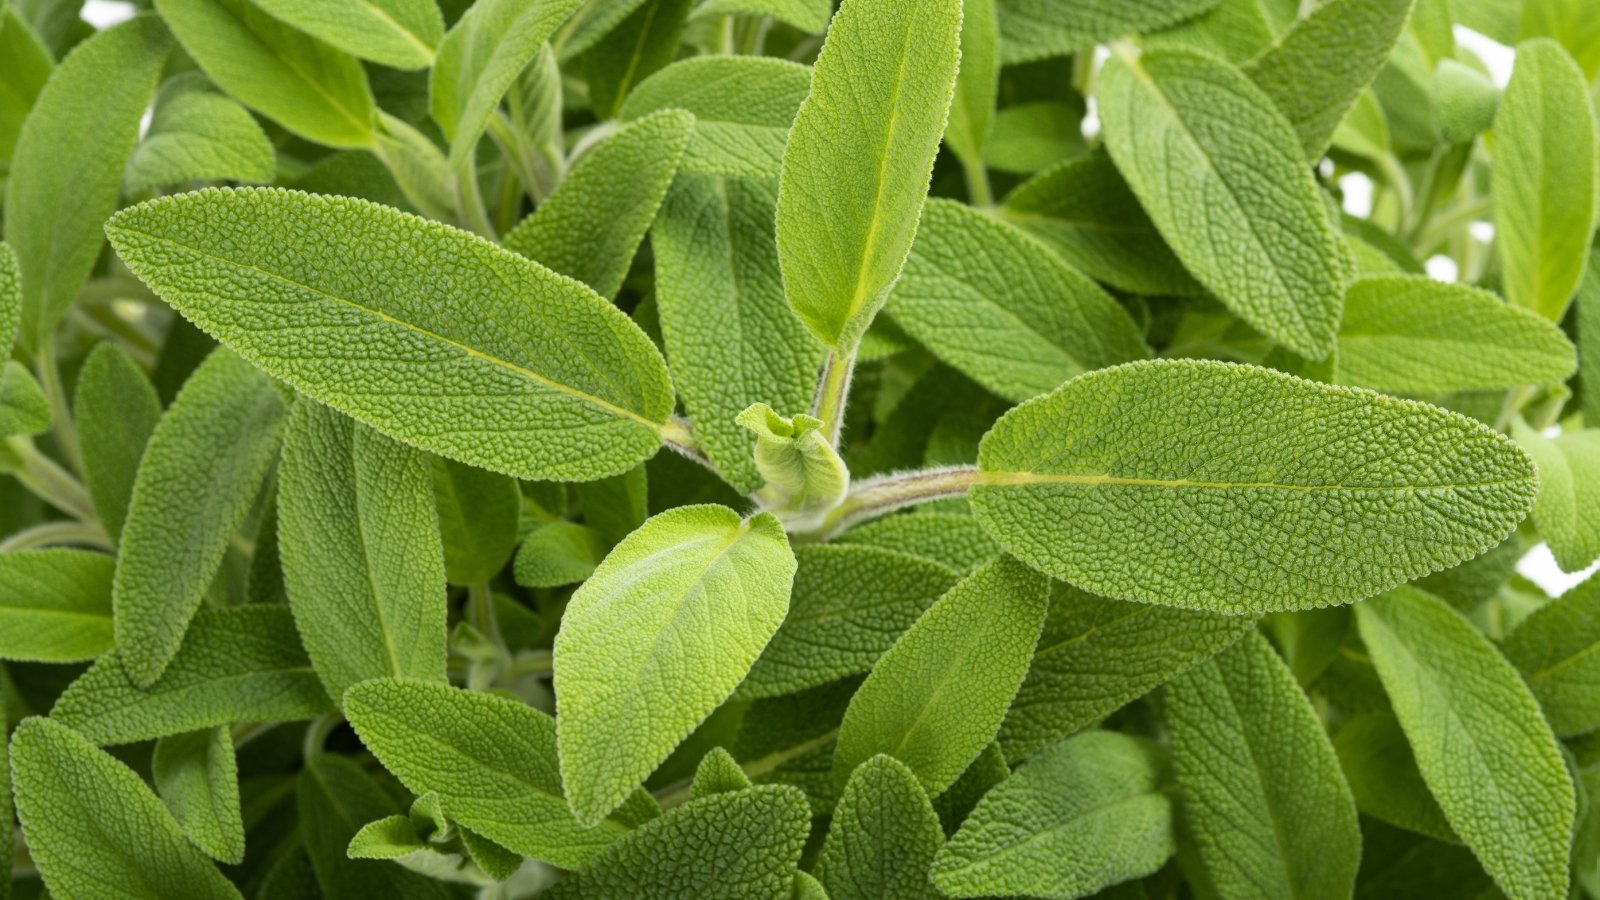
[(398, 33), (478, 516), (1037, 29), (1382, 773), (810, 16), (972, 109), (55, 605), (718, 773), (117, 410), (197, 777), (637, 48), (882, 838), (956, 541), (25, 66), (335, 799), (198, 134), (24, 409), (558, 554), (1555, 649), (1569, 484)]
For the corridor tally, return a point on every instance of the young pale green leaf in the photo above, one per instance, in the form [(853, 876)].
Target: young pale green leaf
[(66, 169), (336, 798), (1235, 489), (805, 476), (1466, 99), (882, 838), (591, 226), (1544, 178), (1221, 174), (921, 704), (1038, 29), (491, 760), (856, 168), (55, 605), (117, 410), (204, 465), (718, 773), (523, 372), (656, 639), (644, 43), (728, 329), (848, 606), (1588, 304), (1087, 813), (25, 66), (481, 57), (1482, 746), (1410, 334), (728, 846), (1001, 308), (1316, 69), (478, 512), (24, 409), (558, 554), (197, 777), (397, 33), (1263, 796), (1569, 489), (361, 554), (95, 830), (956, 541), (243, 664), (742, 106), (1382, 773), (810, 16), (1096, 655), (972, 109), (285, 74), (1557, 649), (198, 134)]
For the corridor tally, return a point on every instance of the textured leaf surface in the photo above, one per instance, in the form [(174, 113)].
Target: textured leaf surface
[(66, 169), (810, 16), (1480, 742), (921, 704), (590, 228), (718, 773), (479, 512), (361, 552), (558, 554), (1087, 813), (1036, 29), (848, 606), (524, 372), (55, 605), (1382, 773), (236, 665), (335, 798), (1002, 309), (24, 409), (398, 33), (116, 409), (657, 638), (197, 777), (957, 541), (1557, 649), (1237, 489), (977, 81), (1263, 795), (198, 134), (1569, 489), (882, 838), (94, 829), (856, 168), (25, 66), (1221, 174), (644, 43), (199, 475)]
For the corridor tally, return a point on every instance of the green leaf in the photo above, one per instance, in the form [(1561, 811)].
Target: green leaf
[(730, 846), (1221, 174), (478, 515), (977, 82), (1544, 178), (1094, 799), (805, 476), (537, 378), (645, 42), (203, 467), (1467, 101), (728, 329), (591, 226), (1567, 21), (116, 409), (920, 705), (286, 75), (55, 605), (1232, 488), (1382, 773), (718, 773), (592, 22), (1029, 137), (1569, 488), (491, 760), (1038, 29), (1557, 649), (94, 829), (742, 105), (1410, 334), (10, 296), (1482, 746), (995, 304), (360, 546), (882, 838), (23, 406), (848, 606), (25, 66), (957, 541), (1588, 304), (198, 134), (656, 639), (397, 33), (1263, 796), (1096, 655), (558, 554), (1235, 30), (66, 169), (617, 505), (810, 16), (335, 799), (197, 777), (1317, 68), (481, 57), (243, 664), (8, 817), (856, 168)]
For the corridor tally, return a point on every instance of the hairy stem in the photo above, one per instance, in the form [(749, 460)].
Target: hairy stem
[(876, 496), (833, 391), (60, 414), (54, 534), (49, 482)]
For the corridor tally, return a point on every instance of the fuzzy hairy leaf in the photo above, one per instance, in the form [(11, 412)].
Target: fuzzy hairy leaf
[(1382, 773), (1036, 29), (336, 798), (24, 409), (972, 109), (1557, 649), (117, 410), (25, 66), (55, 605), (644, 43), (810, 16), (558, 554), (197, 777), (398, 33), (1569, 488), (493, 379), (882, 838), (956, 541), (198, 134), (478, 514), (1237, 489), (718, 773)]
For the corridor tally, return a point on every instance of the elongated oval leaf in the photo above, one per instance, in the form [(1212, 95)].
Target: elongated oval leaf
[(1237, 489), (204, 465), (856, 168), (55, 605), (335, 798), (882, 838), (1482, 746), (972, 108), (117, 410), (1037, 29), (1557, 649), (478, 513), (197, 777), (458, 346), (198, 134), (91, 823), (1569, 487), (25, 66), (810, 16), (656, 639), (398, 33), (1221, 174)]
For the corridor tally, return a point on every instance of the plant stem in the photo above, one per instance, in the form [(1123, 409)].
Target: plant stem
[(49, 482), (469, 201), (51, 534), (978, 189), (876, 496), (833, 392), (60, 414)]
